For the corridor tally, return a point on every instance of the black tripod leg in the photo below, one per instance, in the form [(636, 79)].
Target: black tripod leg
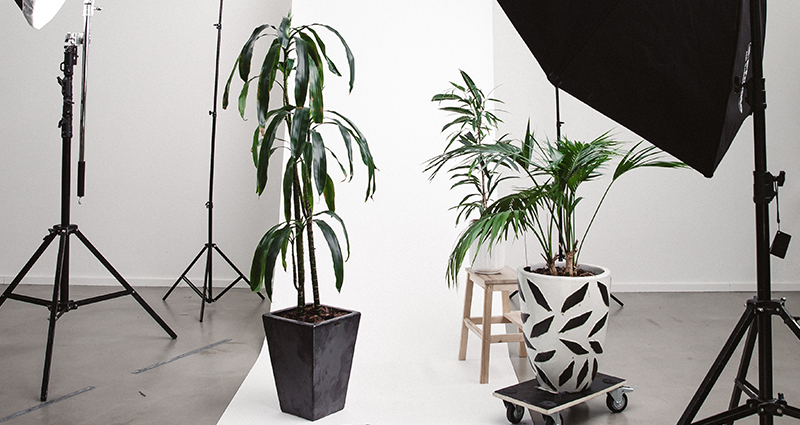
[(613, 297), (719, 364), (125, 284), (241, 275), (206, 285), (744, 365), (185, 272), (34, 258), (61, 264), (790, 321)]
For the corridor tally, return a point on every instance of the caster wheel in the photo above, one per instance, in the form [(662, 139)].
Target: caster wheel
[(514, 413), (548, 420), (615, 406)]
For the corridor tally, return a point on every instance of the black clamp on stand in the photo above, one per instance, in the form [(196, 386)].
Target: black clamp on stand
[(210, 247), (61, 303)]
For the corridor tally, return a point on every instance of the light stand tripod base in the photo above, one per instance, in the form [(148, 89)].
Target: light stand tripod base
[(748, 324), (206, 293), (60, 303)]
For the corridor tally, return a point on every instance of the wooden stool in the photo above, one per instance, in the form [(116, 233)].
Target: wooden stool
[(505, 282)]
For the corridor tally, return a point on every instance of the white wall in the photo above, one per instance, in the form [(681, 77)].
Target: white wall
[(150, 78), (668, 229), (150, 91)]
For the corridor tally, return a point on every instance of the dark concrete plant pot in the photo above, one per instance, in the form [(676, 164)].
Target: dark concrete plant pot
[(311, 362)]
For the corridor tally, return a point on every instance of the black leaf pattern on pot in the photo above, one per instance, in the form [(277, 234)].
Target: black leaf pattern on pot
[(524, 316), (544, 356), (596, 346), (576, 322), (583, 373), (543, 379), (566, 374), (603, 291), (528, 342), (575, 298), (539, 296), (598, 326), (574, 347), (542, 327), (594, 369)]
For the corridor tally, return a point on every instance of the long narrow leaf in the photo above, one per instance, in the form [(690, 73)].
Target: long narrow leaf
[(265, 81), (336, 252), (301, 73), (320, 164), (246, 55), (351, 61)]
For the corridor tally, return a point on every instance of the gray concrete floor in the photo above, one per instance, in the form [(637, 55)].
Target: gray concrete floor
[(663, 344), (99, 346)]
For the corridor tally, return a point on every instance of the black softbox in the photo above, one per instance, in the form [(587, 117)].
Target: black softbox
[(670, 71)]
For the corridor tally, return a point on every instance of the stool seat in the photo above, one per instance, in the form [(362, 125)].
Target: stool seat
[(505, 282)]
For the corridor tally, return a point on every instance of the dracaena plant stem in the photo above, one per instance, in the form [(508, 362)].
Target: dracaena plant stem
[(298, 266)]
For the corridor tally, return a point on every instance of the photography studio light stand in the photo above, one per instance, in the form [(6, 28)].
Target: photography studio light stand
[(756, 321), (61, 302), (206, 294)]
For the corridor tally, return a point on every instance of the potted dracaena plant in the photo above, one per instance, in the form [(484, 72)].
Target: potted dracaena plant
[(475, 160), (311, 345), (564, 302)]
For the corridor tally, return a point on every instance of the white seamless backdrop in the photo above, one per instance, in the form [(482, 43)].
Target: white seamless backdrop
[(150, 90)]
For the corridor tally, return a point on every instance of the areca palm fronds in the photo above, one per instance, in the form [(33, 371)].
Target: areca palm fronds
[(473, 161), (547, 209), (296, 63)]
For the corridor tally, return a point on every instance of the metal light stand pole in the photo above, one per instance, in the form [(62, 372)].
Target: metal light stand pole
[(60, 302), (757, 318), (206, 294)]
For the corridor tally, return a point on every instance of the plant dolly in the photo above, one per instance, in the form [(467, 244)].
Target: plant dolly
[(517, 398)]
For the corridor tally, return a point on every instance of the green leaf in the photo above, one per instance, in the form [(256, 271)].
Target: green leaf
[(348, 143), (320, 165), (266, 253), (226, 93), (299, 131), (351, 62), (246, 55), (243, 98), (288, 179), (265, 81), (266, 150), (330, 194), (336, 252), (301, 73), (283, 31), (331, 65)]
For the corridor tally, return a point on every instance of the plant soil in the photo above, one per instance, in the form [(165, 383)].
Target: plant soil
[(562, 271), (309, 314)]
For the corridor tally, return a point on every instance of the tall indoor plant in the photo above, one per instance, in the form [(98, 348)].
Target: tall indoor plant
[(295, 64), (564, 302), (475, 159)]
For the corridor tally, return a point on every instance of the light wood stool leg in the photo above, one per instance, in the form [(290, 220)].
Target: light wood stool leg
[(486, 340), (506, 309), (462, 351)]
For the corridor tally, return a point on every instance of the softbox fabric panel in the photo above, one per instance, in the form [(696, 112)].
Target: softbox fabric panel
[(670, 71)]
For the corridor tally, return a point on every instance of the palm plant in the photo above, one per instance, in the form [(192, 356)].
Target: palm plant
[(297, 56), (475, 162), (547, 208)]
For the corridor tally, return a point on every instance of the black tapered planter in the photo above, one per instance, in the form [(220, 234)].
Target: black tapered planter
[(311, 362)]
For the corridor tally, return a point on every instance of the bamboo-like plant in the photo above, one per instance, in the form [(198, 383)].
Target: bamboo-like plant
[(296, 62), (475, 161), (547, 208)]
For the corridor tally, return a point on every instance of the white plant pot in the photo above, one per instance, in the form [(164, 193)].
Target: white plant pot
[(564, 324), (488, 261)]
